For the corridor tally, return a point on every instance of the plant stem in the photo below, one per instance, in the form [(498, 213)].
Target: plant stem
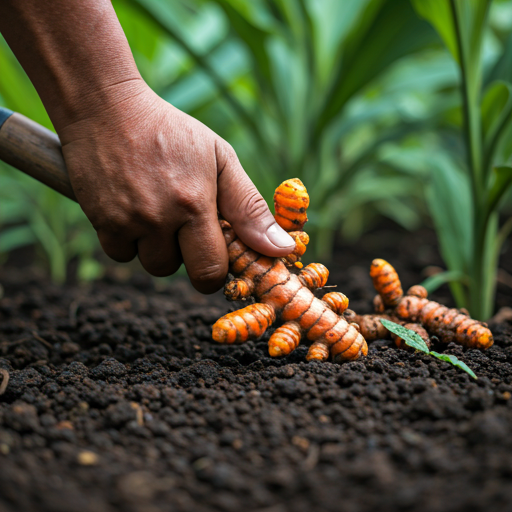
[(470, 85)]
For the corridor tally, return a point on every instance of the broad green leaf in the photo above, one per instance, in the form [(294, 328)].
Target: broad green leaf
[(332, 21), (455, 361), (432, 283), (438, 13), (16, 237), (399, 32), (450, 204), (411, 338), (256, 39)]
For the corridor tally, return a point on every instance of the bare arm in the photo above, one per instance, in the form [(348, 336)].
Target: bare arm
[(149, 177)]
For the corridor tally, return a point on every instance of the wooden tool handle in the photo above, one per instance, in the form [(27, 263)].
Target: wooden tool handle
[(34, 150)]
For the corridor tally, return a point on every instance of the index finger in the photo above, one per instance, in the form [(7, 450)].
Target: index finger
[(204, 252)]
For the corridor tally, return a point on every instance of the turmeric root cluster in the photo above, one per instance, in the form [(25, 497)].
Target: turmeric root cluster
[(282, 291), (416, 312)]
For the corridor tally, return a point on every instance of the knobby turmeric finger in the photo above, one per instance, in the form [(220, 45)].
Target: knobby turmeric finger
[(291, 200), (386, 282), (318, 351), (284, 339), (247, 323), (314, 276), (349, 347), (301, 239), (417, 291), (378, 305), (238, 289), (337, 301)]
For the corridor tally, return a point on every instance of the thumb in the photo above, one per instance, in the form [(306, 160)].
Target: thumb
[(241, 204)]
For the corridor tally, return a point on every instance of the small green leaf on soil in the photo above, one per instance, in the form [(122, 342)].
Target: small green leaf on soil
[(411, 338), (456, 362)]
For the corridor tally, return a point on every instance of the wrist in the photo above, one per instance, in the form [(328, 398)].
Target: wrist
[(103, 109), (75, 54)]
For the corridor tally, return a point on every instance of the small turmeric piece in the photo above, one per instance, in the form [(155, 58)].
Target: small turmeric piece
[(301, 239), (337, 301), (386, 282), (284, 339), (314, 276), (238, 289), (248, 323), (291, 200)]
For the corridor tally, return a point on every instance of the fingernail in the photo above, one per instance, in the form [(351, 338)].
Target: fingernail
[(279, 237)]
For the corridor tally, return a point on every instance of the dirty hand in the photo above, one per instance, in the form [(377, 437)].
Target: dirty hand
[(151, 178)]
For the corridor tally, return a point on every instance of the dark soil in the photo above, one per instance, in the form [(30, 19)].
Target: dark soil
[(118, 400)]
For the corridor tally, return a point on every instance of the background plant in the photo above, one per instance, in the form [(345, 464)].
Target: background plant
[(466, 190)]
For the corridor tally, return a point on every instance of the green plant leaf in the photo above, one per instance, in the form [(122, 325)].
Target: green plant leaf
[(411, 338), (254, 37), (438, 14), (450, 203), (414, 340), (432, 283), (455, 361), (399, 32)]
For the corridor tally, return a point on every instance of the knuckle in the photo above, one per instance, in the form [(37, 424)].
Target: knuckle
[(254, 206), (190, 202), (227, 156), (208, 274)]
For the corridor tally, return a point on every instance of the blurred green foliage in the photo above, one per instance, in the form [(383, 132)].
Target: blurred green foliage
[(359, 99)]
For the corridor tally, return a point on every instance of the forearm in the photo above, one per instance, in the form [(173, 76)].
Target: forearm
[(75, 53)]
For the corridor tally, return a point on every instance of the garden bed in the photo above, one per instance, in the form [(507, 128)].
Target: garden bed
[(118, 400)]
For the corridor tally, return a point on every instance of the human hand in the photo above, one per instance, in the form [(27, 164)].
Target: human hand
[(150, 179)]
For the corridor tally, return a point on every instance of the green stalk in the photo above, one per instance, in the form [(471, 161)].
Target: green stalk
[(470, 84)]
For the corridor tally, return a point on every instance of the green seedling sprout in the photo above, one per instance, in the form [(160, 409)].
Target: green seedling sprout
[(414, 340)]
